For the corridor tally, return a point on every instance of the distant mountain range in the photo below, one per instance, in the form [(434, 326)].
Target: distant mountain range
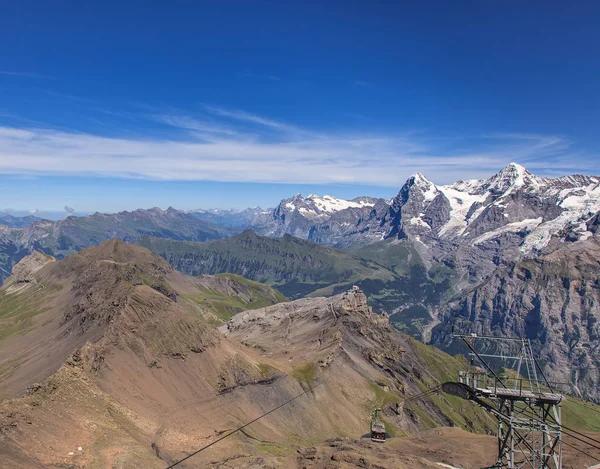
[(469, 227), (63, 237), (6, 219)]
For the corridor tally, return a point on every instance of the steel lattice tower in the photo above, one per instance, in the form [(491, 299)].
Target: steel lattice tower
[(528, 411)]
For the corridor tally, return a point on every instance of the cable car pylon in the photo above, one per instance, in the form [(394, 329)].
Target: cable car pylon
[(528, 411)]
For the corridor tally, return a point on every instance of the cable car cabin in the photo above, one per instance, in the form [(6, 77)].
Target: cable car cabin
[(378, 432), (377, 428)]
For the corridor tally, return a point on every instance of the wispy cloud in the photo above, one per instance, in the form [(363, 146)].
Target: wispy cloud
[(254, 119), (189, 123), (218, 146), (22, 74), (363, 83)]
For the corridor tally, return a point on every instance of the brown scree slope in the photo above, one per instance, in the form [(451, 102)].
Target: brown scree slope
[(119, 369)]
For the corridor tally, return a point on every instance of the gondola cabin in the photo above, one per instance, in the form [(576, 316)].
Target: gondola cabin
[(378, 432)]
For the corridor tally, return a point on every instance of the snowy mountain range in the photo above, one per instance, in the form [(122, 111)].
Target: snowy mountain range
[(512, 201), (472, 224), (515, 254)]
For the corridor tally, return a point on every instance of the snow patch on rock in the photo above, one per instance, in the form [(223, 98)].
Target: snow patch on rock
[(516, 227), (460, 205), (578, 204)]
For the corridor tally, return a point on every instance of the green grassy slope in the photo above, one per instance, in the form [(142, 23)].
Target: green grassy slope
[(223, 305), (19, 308), (297, 267), (414, 290)]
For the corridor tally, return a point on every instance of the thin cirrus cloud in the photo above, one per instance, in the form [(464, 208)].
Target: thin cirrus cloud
[(22, 74), (189, 123), (238, 146), (253, 118)]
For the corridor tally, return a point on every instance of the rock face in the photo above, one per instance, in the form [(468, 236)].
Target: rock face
[(553, 300), (343, 324), (23, 271)]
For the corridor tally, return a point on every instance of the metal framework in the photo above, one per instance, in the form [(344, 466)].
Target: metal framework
[(528, 411)]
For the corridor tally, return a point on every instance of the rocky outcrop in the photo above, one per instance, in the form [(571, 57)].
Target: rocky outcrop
[(342, 327), (24, 270)]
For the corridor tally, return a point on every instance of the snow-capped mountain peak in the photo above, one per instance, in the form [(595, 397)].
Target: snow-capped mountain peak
[(512, 176), (419, 178), (318, 217), (428, 188)]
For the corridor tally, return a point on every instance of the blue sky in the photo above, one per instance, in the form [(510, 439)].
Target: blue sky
[(118, 105)]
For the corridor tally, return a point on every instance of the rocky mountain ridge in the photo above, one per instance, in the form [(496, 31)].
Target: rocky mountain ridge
[(295, 266), (512, 201), (12, 221)]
